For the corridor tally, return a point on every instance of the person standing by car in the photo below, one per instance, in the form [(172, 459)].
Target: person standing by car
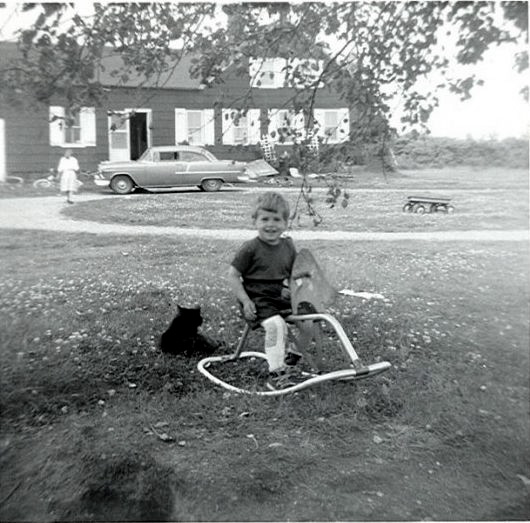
[(67, 170)]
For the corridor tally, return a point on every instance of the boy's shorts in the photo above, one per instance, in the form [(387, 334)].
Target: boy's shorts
[(270, 298)]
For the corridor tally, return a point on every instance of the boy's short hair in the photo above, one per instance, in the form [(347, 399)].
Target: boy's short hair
[(273, 202)]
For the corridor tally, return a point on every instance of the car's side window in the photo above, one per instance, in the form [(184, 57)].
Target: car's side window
[(169, 156), (188, 156)]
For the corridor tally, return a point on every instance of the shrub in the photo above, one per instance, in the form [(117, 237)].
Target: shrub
[(427, 151)]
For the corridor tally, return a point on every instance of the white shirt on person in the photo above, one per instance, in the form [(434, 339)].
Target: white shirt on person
[(67, 164)]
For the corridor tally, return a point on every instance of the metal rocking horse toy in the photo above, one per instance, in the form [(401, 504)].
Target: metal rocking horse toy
[(310, 295)]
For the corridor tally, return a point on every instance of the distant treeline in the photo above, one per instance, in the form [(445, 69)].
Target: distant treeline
[(412, 152)]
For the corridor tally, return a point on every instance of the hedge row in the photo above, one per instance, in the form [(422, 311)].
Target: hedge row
[(426, 151)]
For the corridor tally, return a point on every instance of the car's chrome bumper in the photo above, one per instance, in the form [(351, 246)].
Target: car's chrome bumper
[(245, 178), (99, 180)]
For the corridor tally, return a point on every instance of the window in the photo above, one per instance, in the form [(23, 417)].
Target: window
[(194, 126), (286, 126), (304, 73), (241, 128), (333, 125), (169, 156), (267, 73), (189, 156), (148, 156), (275, 73), (72, 130), (77, 131)]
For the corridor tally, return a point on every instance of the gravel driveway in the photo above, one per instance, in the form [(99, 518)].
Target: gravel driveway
[(44, 213)]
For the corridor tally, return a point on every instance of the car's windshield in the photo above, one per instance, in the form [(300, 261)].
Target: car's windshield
[(145, 156)]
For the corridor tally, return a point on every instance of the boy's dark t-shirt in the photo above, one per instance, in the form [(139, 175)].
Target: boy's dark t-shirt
[(258, 260), (263, 268)]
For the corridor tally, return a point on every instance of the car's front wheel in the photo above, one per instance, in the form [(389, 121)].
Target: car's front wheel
[(122, 184), (211, 185)]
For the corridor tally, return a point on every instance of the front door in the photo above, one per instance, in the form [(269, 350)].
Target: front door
[(138, 134), (129, 133)]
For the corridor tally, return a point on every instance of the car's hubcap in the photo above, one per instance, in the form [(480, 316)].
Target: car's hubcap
[(211, 185)]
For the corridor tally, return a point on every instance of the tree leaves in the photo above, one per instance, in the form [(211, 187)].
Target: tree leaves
[(366, 53), (375, 44)]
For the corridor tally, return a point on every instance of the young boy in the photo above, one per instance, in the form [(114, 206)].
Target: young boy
[(257, 275)]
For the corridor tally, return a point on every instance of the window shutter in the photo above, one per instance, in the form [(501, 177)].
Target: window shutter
[(253, 68), (273, 125), (343, 133), (320, 68), (228, 127), (309, 69), (181, 126), (254, 125), (293, 64), (298, 126), (279, 72), (56, 126), (318, 122), (208, 123), (87, 118)]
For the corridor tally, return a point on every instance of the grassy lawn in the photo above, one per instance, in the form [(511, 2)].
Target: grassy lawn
[(485, 199), (441, 436)]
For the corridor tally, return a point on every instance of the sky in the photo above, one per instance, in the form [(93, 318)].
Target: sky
[(495, 110)]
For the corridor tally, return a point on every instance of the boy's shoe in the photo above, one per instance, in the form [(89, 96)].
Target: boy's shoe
[(284, 379), (292, 358)]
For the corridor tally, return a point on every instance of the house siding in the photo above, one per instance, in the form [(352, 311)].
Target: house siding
[(27, 131)]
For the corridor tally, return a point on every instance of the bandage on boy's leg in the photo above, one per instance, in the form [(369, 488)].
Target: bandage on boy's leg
[(275, 338)]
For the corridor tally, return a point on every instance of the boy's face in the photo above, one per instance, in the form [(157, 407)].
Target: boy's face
[(270, 226)]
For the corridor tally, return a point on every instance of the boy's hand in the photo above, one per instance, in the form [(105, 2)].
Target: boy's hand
[(249, 310)]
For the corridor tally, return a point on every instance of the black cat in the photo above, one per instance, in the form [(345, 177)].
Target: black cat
[(182, 336)]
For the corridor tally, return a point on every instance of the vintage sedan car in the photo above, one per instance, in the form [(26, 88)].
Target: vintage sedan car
[(172, 166)]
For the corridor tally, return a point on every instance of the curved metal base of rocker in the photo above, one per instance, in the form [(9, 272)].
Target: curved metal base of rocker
[(358, 372), (312, 379)]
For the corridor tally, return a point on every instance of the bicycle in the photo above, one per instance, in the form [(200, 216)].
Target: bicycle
[(52, 181), (282, 181)]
